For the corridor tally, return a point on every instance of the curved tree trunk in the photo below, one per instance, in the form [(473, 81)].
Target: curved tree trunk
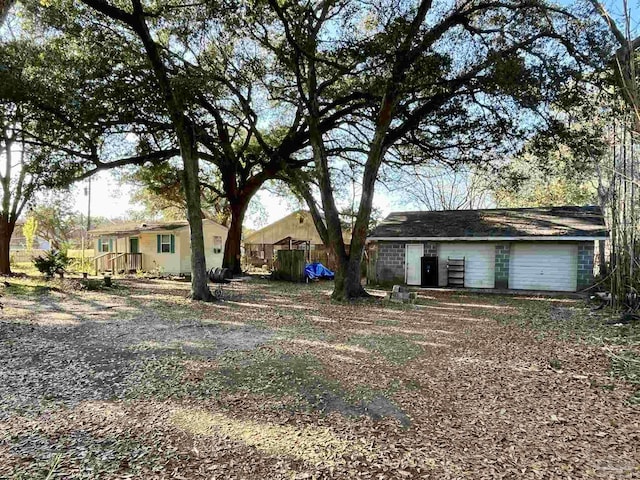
[(232, 248), (6, 230), (199, 281), (185, 134)]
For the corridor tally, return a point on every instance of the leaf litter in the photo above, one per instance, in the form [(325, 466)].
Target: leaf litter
[(138, 383)]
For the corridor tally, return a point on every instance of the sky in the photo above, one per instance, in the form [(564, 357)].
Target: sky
[(112, 200)]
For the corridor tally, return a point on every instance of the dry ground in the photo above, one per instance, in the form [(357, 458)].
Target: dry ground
[(277, 382)]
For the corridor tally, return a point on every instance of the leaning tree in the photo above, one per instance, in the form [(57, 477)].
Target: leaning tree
[(463, 82), (197, 86), (64, 114)]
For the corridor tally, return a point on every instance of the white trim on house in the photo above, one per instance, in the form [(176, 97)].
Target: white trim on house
[(490, 239)]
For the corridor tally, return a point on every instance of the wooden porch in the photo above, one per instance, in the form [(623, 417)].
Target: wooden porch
[(118, 262)]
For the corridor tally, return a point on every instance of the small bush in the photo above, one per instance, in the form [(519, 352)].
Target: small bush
[(51, 263), (76, 265)]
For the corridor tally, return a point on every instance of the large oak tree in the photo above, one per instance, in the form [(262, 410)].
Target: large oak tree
[(463, 82)]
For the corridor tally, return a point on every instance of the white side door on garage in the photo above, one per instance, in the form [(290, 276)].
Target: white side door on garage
[(543, 266), (479, 259), (413, 261)]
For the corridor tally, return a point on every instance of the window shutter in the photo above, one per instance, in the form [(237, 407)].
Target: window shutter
[(111, 244), (159, 243), (100, 244), (173, 244)]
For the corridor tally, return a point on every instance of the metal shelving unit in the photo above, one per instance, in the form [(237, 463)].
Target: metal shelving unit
[(455, 272)]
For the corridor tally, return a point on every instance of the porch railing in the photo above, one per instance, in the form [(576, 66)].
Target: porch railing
[(102, 263), (118, 262)]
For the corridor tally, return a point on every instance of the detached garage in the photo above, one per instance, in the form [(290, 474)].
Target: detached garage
[(550, 248)]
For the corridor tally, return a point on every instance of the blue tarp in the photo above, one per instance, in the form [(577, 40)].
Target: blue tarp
[(317, 270)]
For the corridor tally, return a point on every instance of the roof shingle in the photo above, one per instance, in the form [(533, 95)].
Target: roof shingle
[(567, 221)]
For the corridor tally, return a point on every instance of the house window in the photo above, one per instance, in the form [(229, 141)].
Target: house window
[(217, 244), (165, 244), (104, 245)]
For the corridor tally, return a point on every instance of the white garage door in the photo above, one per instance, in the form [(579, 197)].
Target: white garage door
[(479, 262), (543, 266)]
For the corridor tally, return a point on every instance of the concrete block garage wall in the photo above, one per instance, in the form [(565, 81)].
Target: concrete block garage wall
[(390, 265), (585, 264), (430, 249), (503, 251)]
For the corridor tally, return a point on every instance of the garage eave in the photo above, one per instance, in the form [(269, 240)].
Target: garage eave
[(575, 238)]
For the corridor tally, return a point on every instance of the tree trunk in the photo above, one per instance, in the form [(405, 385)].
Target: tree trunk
[(199, 281), (348, 282), (6, 231), (232, 253)]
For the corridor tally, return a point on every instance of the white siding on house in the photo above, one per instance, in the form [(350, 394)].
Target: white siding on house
[(185, 258), (120, 245), (176, 262), (543, 266), (211, 230), (164, 262), (479, 263)]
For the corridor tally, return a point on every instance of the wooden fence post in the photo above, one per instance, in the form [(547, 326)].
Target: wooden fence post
[(291, 265)]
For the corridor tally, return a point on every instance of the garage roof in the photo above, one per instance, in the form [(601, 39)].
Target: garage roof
[(551, 223)]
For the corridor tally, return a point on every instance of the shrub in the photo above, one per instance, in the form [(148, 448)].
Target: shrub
[(76, 265), (51, 263)]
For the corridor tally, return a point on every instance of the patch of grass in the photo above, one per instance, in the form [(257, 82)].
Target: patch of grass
[(555, 364), (397, 349), (258, 372), (403, 307), (303, 329), (271, 373), (80, 455), (626, 365), (299, 379), (160, 378), (180, 346), (575, 323), (315, 445), (258, 323), (27, 268), (385, 322), (28, 289)]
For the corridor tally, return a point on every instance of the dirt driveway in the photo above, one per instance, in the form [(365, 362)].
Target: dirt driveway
[(277, 382)]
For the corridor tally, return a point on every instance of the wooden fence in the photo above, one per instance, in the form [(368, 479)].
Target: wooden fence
[(24, 256), (290, 265), (325, 257), (77, 253)]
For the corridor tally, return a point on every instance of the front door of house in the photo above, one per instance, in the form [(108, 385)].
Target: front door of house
[(413, 257), (134, 245)]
